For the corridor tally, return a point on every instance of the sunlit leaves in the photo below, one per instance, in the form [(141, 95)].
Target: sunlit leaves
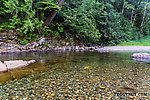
[(23, 16), (128, 6), (47, 5)]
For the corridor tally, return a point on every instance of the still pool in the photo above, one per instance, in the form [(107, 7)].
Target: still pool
[(76, 75)]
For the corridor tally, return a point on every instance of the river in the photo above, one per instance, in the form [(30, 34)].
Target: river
[(74, 75)]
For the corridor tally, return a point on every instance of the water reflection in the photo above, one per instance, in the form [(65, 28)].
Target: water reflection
[(145, 60)]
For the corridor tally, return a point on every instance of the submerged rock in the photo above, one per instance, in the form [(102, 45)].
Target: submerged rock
[(4, 77), (18, 74), (127, 90), (41, 41)]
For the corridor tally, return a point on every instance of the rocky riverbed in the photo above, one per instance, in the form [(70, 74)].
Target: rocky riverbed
[(86, 83), (89, 75)]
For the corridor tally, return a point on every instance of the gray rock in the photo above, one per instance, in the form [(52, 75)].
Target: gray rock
[(41, 41), (14, 64), (31, 61), (68, 48), (3, 67), (3, 37), (141, 55), (1, 43), (35, 44)]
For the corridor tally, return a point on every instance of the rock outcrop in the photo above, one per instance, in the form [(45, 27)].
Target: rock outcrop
[(14, 64), (3, 67), (141, 55)]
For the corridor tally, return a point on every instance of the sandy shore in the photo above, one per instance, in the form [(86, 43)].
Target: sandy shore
[(125, 49)]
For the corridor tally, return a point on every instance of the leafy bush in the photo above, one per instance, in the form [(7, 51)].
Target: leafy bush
[(81, 22), (101, 21), (54, 30), (24, 16), (88, 21)]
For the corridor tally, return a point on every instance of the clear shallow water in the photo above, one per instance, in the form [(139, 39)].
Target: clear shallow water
[(90, 70)]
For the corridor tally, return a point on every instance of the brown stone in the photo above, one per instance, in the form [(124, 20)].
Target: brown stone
[(39, 69)]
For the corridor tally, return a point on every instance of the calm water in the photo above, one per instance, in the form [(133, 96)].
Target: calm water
[(117, 69)]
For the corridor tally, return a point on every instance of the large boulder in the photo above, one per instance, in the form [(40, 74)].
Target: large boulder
[(3, 67), (13, 64), (141, 55)]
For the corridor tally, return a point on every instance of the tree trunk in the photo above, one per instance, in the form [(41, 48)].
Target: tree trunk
[(123, 7), (135, 14), (142, 24), (53, 14), (41, 18), (132, 14)]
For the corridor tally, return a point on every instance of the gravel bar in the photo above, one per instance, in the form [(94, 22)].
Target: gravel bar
[(125, 49)]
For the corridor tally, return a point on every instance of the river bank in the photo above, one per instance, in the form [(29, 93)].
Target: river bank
[(10, 43), (42, 44), (32, 48)]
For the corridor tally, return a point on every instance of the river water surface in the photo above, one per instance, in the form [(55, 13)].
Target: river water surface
[(75, 75)]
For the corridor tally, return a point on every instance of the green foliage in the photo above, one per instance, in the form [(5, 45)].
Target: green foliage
[(4, 25), (23, 17), (54, 30), (97, 22), (24, 42), (81, 22), (88, 21), (102, 21), (49, 5)]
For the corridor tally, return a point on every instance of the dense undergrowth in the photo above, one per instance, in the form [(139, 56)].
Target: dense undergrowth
[(91, 22)]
